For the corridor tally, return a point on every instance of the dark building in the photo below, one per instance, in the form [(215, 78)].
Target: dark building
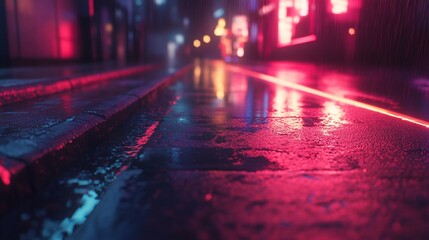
[(56, 31), (369, 32)]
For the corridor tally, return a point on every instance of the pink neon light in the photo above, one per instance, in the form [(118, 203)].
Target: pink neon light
[(141, 142), (319, 93), (339, 6), (66, 44), (91, 7), (290, 13), (285, 26), (4, 175), (306, 39)]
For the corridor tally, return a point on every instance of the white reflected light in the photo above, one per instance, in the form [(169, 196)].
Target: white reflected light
[(159, 2), (240, 52), (279, 102), (333, 117), (180, 39)]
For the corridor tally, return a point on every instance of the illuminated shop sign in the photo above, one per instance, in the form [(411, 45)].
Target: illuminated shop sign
[(339, 6), (295, 22)]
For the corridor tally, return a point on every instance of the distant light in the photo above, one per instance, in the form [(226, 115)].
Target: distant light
[(220, 95), (108, 27), (138, 2), (267, 9), (180, 39), (171, 50), (197, 43), (240, 52), (186, 22), (91, 7), (220, 28), (221, 22), (207, 39), (285, 24), (219, 31), (339, 6), (219, 13), (239, 27), (352, 31), (4, 175), (159, 2)]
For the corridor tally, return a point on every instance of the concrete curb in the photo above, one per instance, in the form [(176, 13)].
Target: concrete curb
[(34, 90), (27, 164)]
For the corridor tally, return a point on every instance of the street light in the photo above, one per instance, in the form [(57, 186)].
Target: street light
[(197, 43), (207, 39)]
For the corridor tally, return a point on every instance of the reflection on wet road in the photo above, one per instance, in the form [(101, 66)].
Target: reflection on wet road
[(236, 157), (394, 90), (221, 155)]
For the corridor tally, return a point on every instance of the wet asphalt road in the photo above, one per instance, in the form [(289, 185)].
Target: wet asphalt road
[(219, 155), (394, 89), (236, 158)]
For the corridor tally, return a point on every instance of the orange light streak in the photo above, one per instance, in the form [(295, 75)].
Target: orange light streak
[(319, 93)]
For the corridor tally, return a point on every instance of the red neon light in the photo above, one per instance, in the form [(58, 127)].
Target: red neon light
[(91, 7), (66, 44), (339, 6), (4, 175), (290, 14), (141, 142), (319, 93), (285, 23), (301, 40)]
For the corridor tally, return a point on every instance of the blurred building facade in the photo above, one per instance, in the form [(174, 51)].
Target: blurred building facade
[(48, 31), (376, 32), (373, 32), (368, 32)]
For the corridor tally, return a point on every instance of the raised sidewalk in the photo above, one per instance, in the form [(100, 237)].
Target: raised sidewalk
[(41, 121)]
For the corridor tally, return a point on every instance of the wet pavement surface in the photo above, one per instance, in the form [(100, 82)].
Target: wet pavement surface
[(52, 110), (393, 89), (220, 155)]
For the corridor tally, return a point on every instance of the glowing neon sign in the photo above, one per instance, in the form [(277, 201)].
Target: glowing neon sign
[(339, 6), (292, 13)]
